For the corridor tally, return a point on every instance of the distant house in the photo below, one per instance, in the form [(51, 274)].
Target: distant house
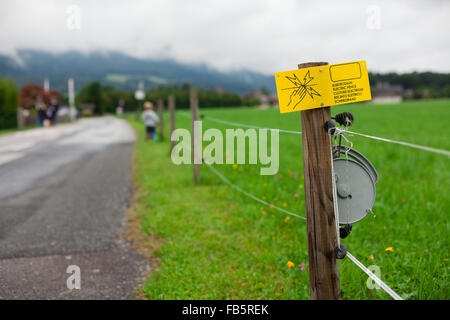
[(386, 93), (257, 95), (218, 90), (408, 94)]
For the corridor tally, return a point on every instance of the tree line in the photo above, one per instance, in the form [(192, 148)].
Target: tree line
[(106, 98), (436, 85), (9, 100), (206, 98)]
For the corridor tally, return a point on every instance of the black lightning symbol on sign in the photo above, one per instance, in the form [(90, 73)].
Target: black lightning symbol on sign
[(301, 88)]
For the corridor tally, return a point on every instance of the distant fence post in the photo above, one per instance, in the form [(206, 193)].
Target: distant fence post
[(20, 118), (171, 102), (195, 135), (320, 218), (161, 119)]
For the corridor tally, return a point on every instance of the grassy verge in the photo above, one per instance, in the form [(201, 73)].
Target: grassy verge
[(219, 244)]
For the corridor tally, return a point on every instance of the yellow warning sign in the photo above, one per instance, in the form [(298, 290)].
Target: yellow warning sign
[(322, 86)]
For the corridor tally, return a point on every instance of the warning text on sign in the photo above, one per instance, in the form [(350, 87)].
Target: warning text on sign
[(322, 86)]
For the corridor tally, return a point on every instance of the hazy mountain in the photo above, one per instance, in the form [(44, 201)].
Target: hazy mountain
[(122, 71)]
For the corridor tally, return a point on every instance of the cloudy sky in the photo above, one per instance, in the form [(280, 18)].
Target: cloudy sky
[(265, 36)]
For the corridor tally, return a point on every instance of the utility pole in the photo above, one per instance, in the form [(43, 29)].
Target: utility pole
[(171, 101), (139, 95), (320, 217), (46, 85), (20, 118), (196, 157), (161, 119), (71, 94)]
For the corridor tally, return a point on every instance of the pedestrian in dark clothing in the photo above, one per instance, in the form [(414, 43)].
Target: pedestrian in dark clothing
[(53, 111), (41, 111)]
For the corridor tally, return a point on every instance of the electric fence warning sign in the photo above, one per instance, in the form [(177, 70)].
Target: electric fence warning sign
[(322, 86)]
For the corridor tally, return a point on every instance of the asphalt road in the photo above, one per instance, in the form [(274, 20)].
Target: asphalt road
[(64, 192)]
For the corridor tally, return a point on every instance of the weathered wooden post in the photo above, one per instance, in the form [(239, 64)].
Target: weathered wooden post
[(20, 118), (171, 102), (312, 90), (320, 218), (196, 157), (161, 119)]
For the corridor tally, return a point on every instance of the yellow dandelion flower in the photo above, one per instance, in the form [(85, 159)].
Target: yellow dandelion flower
[(300, 186), (284, 204), (290, 264), (235, 166), (263, 212), (389, 249), (287, 219)]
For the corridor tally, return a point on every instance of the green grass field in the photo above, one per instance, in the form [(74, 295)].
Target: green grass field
[(219, 244)]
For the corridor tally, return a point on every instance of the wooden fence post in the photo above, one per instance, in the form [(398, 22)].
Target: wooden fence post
[(320, 218), (161, 119), (20, 118), (195, 135), (171, 101)]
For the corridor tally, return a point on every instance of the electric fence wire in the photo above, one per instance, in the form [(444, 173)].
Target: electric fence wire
[(236, 187), (248, 194), (243, 125), (377, 280), (403, 143)]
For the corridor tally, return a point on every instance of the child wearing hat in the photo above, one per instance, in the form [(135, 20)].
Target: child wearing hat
[(150, 120)]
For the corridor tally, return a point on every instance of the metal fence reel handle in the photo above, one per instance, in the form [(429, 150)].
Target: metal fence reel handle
[(358, 157)]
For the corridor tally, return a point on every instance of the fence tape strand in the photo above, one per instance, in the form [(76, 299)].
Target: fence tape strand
[(402, 143), (406, 144), (236, 187), (377, 280)]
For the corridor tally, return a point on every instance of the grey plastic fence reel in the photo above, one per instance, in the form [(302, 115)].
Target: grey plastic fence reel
[(355, 184)]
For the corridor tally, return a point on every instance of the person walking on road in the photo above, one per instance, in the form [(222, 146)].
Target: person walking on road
[(150, 120), (41, 109), (53, 111)]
